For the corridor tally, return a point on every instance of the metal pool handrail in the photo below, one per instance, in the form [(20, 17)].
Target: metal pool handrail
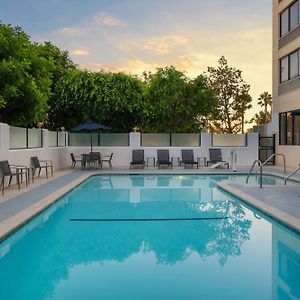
[(257, 161), (289, 176), (273, 155)]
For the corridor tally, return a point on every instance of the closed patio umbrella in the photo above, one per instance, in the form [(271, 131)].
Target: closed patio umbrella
[(90, 127)]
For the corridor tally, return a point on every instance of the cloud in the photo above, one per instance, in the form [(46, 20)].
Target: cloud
[(158, 45), (105, 19), (80, 52)]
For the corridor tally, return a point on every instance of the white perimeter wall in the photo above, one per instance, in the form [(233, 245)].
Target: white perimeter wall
[(122, 155)]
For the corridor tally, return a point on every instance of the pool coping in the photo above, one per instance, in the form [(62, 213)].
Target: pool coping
[(12, 224), (279, 215)]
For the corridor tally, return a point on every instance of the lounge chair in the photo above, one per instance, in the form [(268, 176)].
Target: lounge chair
[(6, 171), (74, 159), (163, 158), (215, 156), (108, 159), (41, 164), (137, 158), (188, 158)]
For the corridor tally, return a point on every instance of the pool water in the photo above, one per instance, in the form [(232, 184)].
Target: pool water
[(151, 237)]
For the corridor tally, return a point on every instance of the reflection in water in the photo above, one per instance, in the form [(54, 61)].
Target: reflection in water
[(46, 257), (286, 265)]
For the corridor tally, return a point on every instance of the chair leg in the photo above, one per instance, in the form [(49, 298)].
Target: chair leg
[(10, 178), (51, 170), (40, 172), (18, 180), (2, 184), (110, 165), (46, 172)]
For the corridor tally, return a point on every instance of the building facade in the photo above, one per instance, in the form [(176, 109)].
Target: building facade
[(286, 78)]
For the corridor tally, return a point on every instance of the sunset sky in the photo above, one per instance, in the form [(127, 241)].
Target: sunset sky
[(138, 35)]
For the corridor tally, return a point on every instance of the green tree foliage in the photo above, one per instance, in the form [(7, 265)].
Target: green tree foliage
[(25, 78), (233, 98), (112, 99), (264, 116), (61, 64), (174, 103)]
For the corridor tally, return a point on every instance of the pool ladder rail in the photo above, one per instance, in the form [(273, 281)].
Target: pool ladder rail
[(261, 165), (290, 175)]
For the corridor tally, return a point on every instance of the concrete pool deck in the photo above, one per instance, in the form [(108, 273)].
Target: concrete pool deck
[(19, 206)]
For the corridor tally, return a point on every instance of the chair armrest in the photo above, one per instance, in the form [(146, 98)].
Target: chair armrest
[(18, 167), (105, 156), (46, 162)]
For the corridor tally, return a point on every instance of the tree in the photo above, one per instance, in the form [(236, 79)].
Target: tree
[(264, 116), (174, 103), (261, 118), (233, 98), (25, 78), (113, 99), (265, 100)]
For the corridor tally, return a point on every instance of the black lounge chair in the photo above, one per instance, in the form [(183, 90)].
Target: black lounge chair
[(215, 156), (137, 158), (188, 158), (74, 159), (41, 164), (163, 158), (6, 171), (108, 159)]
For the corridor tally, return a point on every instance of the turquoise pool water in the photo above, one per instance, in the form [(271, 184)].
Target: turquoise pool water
[(151, 237)]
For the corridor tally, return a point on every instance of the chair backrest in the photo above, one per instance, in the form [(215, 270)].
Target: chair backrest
[(5, 168), (35, 162), (138, 155), (163, 155), (187, 155), (72, 157), (95, 155), (215, 154)]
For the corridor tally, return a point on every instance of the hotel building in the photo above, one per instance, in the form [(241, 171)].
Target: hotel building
[(286, 78)]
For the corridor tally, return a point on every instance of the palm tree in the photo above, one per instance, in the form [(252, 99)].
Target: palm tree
[(265, 100)]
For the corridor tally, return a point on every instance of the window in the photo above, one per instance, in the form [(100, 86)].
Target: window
[(284, 69), (284, 21), (294, 65), (289, 128), (290, 18), (297, 129), (282, 130), (290, 66), (294, 15)]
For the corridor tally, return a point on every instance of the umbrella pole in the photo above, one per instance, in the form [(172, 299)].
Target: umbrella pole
[(91, 142)]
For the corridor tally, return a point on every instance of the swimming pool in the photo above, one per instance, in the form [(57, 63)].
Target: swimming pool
[(151, 237)]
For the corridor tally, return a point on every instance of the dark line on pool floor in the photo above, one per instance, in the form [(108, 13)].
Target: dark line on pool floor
[(147, 220)]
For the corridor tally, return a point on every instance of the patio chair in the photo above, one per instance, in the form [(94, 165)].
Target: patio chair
[(137, 158), (108, 159), (74, 159), (97, 158), (6, 171), (188, 158), (90, 160), (215, 156), (41, 164), (163, 158)]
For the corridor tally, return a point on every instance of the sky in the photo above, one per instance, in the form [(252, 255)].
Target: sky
[(133, 36)]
